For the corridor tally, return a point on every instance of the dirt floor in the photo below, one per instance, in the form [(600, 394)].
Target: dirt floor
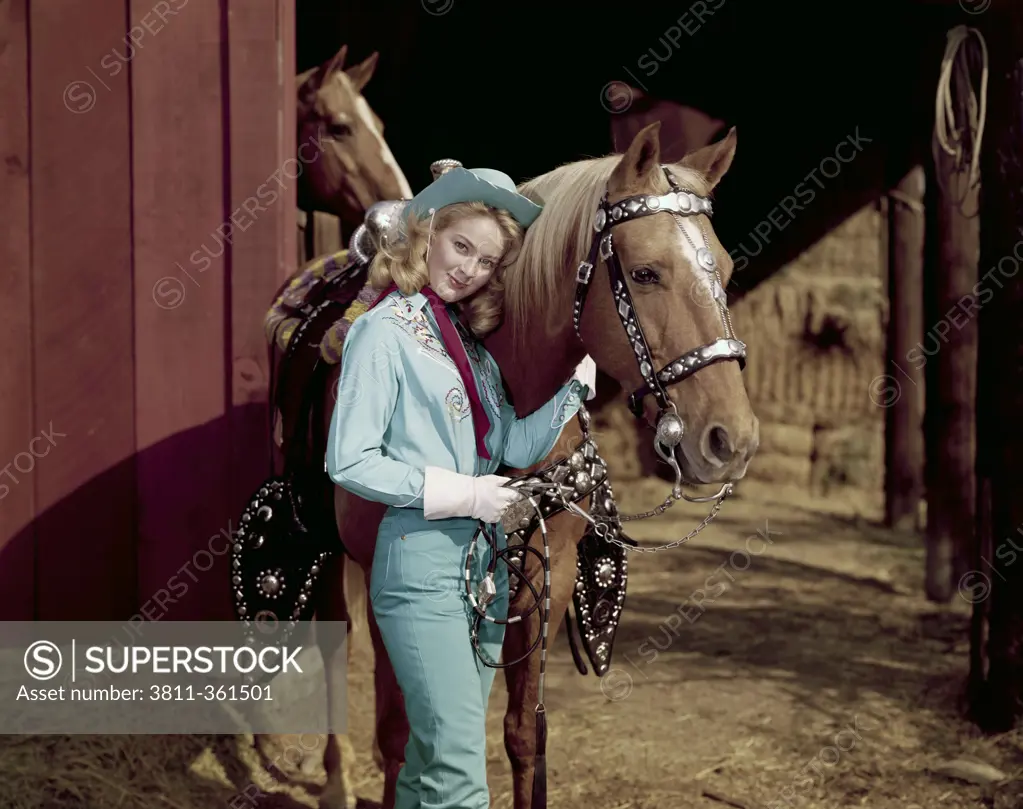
[(816, 675)]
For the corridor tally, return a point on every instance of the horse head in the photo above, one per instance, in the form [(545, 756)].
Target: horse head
[(624, 264), (353, 166)]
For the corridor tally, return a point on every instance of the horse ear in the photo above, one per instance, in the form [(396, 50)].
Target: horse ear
[(310, 81), (307, 79), (714, 160), (362, 73), (642, 158), (335, 63)]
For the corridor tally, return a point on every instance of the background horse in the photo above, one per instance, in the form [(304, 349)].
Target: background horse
[(353, 167), (669, 291)]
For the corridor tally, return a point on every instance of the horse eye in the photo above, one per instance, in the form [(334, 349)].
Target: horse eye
[(644, 275), (338, 130)]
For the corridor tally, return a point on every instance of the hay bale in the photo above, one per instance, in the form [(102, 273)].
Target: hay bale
[(845, 314), (780, 412), (793, 440), (816, 329), (851, 455), (774, 468)]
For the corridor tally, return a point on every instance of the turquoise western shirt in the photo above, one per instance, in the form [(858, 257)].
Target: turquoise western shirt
[(401, 406)]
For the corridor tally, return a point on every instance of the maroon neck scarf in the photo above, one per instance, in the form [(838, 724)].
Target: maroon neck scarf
[(456, 350)]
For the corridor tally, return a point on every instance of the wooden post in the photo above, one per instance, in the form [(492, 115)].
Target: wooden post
[(904, 462), (326, 233), (952, 378), (996, 586)]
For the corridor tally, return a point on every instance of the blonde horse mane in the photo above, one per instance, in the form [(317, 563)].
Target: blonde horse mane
[(561, 236)]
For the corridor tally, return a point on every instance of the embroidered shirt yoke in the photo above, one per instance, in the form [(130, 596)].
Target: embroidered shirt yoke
[(401, 406)]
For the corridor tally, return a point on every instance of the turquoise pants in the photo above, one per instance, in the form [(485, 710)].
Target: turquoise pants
[(417, 589)]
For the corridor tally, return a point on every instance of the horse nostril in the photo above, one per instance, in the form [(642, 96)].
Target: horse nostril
[(720, 444)]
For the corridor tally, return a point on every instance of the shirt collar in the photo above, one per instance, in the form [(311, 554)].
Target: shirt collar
[(416, 301)]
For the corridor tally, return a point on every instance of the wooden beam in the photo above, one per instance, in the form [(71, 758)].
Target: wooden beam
[(996, 586), (951, 368), (904, 462)]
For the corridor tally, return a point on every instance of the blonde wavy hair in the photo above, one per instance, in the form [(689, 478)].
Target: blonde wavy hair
[(405, 262)]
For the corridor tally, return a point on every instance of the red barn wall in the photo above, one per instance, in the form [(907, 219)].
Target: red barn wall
[(134, 363)]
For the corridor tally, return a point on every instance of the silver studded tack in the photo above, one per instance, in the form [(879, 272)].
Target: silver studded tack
[(705, 259), (271, 583)]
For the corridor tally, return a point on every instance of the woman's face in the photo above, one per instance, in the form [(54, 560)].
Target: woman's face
[(464, 256)]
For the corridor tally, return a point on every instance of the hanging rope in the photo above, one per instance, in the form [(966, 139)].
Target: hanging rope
[(959, 120)]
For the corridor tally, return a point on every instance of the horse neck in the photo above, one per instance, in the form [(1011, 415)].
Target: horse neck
[(536, 365)]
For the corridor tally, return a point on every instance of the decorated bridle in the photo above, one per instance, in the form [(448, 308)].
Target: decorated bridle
[(670, 427)]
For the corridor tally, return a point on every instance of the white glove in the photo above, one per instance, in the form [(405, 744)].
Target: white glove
[(449, 494), (586, 373)]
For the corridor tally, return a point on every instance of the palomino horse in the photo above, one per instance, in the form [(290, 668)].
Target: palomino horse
[(353, 166), (666, 276)]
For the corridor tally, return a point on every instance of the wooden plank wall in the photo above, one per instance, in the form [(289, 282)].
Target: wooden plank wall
[(17, 493), (83, 379), (135, 133)]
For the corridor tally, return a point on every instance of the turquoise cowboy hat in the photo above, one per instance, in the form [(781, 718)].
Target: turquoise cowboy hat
[(489, 186)]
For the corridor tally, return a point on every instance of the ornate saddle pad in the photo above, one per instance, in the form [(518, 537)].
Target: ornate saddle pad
[(288, 532), (284, 316)]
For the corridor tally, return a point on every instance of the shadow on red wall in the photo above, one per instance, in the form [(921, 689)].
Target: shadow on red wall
[(149, 537)]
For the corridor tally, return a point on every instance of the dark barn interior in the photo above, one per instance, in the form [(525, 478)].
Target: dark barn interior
[(520, 88)]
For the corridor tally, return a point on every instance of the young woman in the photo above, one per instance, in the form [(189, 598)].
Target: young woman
[(421, 424)]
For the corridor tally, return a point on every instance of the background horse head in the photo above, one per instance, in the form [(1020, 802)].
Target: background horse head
[(676, 301), (353, 166)]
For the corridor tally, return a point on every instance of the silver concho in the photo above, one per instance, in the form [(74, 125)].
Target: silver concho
[(705, 259), (271, 583), (604, 575), (582, 481), (599, 220), (670, 430)]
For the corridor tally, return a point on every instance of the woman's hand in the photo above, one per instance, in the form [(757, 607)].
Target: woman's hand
[(492, 497), (449, 494)]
